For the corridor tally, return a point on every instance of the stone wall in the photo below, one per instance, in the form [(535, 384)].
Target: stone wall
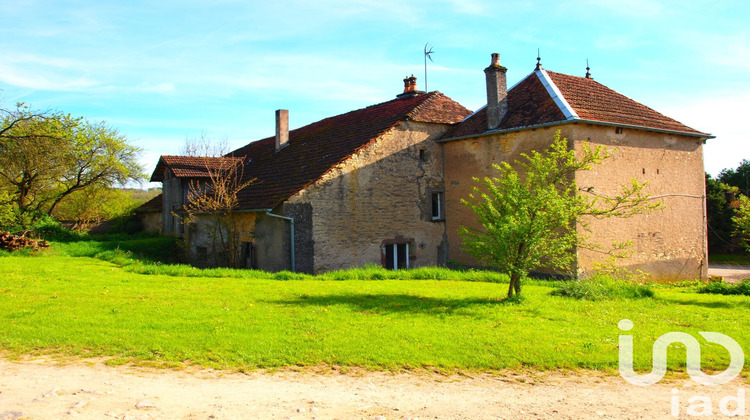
[(304, 242), (379, 196)]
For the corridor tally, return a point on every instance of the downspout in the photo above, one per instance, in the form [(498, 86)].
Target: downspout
[(291, 233)]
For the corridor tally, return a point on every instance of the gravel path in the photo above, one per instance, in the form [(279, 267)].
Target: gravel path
[(732, 273), (91, 390)]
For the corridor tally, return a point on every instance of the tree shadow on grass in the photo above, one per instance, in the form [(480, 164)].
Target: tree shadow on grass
[(712, 305), (400, 303)]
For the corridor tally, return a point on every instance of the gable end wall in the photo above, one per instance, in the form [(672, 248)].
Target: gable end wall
[(379, 194)]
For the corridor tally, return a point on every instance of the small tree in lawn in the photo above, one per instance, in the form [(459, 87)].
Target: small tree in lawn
[(741, 220), (217, 200), (528, 216)]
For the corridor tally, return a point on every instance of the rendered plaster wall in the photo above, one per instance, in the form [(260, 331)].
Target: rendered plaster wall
[(474, 157), (152, 221), (669, 244), (210, 232), (380, 195), (272, 243)]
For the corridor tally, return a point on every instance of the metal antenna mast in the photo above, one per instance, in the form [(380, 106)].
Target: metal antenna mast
[(427, 54)]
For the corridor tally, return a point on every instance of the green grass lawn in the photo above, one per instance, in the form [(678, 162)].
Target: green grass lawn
[(64, 305)]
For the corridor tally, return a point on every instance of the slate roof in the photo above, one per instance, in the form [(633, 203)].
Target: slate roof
[(546, 97), (187, 166)]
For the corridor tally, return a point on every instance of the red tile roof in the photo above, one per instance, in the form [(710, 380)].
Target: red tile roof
[(315, 149), (530, 104), (187, 166), (593, 101)]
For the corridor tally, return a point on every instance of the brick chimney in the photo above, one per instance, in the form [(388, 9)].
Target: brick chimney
[(497, 92), (410, 88), (282, 128)]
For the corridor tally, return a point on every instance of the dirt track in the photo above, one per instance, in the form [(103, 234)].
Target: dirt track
[(46, 390)]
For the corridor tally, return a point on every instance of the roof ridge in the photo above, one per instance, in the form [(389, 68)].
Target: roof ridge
[(556, 95), (429, 97)]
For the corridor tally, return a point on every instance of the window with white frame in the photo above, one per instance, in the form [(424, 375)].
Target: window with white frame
[(396, 256), (438, 205)]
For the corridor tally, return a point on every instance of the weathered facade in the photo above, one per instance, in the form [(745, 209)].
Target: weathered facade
[(382, 185), (670, 243), (359, 188)]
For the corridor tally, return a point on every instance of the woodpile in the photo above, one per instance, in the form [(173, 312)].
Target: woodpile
[(10, 242)]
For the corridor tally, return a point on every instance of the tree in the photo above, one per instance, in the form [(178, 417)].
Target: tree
[(46, 157), (216, 200), (741, 219), (95, 204), (535, 217), (721, 206), (739, 177)]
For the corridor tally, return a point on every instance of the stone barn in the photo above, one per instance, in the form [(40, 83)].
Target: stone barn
[(383, 184), (358, 188)]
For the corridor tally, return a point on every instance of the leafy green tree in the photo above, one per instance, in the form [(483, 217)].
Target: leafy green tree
[(739, 177), (721, 204), (95, 204), (535, 216), (741, 220), (46, 157)]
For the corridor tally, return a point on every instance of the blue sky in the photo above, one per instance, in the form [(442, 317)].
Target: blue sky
[(164, 71)]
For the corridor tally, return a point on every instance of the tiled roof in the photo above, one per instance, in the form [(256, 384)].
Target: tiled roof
[(315, 149), (530, 103), (187, 166)]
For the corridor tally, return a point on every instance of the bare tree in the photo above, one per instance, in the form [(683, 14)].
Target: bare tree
[(204, 146), (216, 200)]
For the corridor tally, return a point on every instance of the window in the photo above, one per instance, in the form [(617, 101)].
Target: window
[(438, 206), (201, 253), (247, 255), (396, 256), (618, 130)]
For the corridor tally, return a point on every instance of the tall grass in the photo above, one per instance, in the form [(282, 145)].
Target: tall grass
[(601, 288), (718, 288)]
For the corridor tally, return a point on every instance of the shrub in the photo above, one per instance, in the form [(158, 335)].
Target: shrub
[(50, 229), (741, 288), (602, 287)]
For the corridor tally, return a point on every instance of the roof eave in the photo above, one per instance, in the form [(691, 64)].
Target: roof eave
[(704, 136)]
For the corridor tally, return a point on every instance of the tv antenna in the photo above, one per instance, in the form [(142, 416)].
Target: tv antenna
[(427, 54)]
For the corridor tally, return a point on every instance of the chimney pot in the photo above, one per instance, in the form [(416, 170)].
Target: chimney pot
[(282, 128), (410, 88), (495, 60), (410, 84), (497, 92)]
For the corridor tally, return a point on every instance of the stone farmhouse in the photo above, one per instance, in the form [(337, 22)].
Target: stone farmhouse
[(383, 184)]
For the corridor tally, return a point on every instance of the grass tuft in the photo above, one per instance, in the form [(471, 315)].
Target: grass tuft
[(717, 288), (602, 288)]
